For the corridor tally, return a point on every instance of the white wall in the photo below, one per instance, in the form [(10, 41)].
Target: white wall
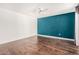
[(26, 26), (77, 28), (14, 26)]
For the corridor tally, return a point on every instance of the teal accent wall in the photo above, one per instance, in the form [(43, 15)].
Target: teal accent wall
[(59, 25)]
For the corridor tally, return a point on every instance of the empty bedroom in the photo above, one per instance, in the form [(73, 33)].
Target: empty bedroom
[(39, 29)]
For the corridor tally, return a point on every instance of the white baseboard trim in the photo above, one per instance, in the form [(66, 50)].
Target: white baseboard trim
[(19, 38), (56, 37)]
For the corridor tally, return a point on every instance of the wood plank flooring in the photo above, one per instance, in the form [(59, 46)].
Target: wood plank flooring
[(39, 46)]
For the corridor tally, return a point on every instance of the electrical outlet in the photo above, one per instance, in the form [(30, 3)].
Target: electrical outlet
[(59, 34)]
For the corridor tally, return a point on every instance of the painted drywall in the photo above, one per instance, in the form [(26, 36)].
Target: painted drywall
[(14, 26), (59, 25), (77, 28)]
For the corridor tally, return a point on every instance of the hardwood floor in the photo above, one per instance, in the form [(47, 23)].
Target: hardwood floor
[(39, 46)]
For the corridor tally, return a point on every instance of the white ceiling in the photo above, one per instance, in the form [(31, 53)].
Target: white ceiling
[(31, 8)]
